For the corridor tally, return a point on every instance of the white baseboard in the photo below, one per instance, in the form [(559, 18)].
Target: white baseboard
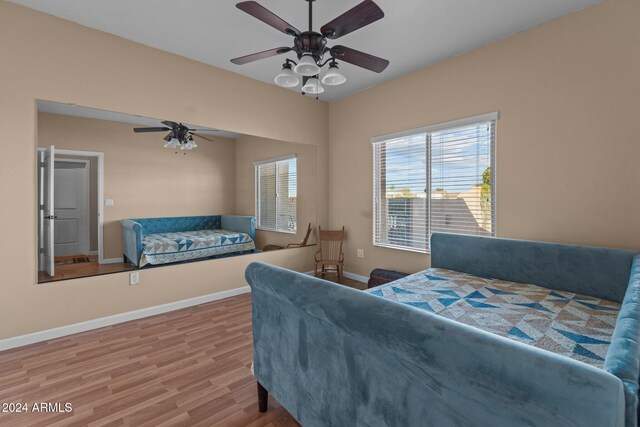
[(112, 260), (94, 252), (357, 277), (75, 328), (348, 275)]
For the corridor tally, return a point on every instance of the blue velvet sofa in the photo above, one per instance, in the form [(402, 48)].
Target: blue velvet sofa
[(336, 356), (176, 239)]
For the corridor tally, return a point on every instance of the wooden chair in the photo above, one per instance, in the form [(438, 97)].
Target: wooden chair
[(291, 245), (329, 257)]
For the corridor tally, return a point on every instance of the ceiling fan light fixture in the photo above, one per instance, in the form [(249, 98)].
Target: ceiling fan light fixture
[(334, 76), (311, 46), (190, 144), (313, 86), (172, 143), (307, 66), (286, 77)]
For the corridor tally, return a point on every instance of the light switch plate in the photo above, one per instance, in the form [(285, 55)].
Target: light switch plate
[(360, 253), (108, 202), (134, 278)]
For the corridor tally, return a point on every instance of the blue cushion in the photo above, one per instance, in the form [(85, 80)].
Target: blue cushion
[(179, 223)]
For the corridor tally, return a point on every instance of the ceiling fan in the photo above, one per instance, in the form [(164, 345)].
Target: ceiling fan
[(179, 136), (311, 46)]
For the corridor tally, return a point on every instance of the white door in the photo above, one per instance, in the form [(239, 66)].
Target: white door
[(71, 207), (48, 178), (40, 210)]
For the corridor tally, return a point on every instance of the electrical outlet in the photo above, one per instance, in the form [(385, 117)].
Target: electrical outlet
[(360, 253), (108, 202), (134, 278)]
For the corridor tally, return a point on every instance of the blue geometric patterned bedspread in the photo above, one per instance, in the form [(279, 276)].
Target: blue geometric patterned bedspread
[(573, 325), (162, 248)]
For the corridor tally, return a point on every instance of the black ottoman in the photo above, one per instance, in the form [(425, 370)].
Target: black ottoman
[(380, 276)]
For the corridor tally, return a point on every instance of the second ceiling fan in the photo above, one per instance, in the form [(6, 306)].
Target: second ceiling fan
[(311, 46)]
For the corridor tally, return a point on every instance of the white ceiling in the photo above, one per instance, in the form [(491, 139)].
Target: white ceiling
[(413, 34), (93, 113)]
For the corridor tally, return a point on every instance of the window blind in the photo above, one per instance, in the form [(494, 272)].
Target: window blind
[(400, 202), (276, 194), (462, 180), (435, 180)]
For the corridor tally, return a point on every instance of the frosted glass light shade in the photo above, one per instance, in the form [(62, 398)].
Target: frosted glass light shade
[(313, 87), (334, 77), (172, 143), (307, 66), (287, 78)]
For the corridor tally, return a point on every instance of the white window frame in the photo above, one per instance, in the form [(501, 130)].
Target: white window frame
[(257, 193), (488, 117)]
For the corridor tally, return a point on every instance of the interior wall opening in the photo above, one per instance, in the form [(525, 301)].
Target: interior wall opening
[(145, 179)]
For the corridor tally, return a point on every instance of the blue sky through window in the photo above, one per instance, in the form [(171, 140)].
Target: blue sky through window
[(458, 159)]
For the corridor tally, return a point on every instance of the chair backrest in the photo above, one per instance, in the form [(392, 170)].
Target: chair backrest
[(306, 236), (330, 242)]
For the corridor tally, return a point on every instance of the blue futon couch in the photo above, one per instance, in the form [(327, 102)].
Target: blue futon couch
[(336, 356), (176, 239)]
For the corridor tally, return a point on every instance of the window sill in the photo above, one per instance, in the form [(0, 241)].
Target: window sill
[(405, 249), (276, 231)]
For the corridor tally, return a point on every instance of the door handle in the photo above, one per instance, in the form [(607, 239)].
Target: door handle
[(51, 217)]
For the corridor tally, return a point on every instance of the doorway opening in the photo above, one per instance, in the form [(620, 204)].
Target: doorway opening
[(70, 212)]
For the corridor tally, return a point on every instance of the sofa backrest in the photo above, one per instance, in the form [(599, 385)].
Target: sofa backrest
[(178, 223), (598, 272)]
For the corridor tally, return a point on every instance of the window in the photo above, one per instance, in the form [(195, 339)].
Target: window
[(276, 194), (434, 179)]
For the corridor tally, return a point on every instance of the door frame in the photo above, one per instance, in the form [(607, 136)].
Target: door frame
[(85, 242), (100, 157)]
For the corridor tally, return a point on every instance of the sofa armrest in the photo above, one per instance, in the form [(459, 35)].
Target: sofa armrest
[(241, 224), (623, 357), (132, 240)]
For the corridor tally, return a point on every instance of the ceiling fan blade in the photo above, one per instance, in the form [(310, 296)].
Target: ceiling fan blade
[(361, 59), (203, 137), (169, 123), (260, 55), (360, 16), (142, 130), (268, 17)]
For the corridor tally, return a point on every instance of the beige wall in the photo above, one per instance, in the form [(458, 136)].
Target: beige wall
[(568, 93), (52, 59), (250, 149), (143, 178)]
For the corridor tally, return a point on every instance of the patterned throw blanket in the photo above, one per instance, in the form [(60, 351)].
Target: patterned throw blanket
[(162, 248), (573, 325)]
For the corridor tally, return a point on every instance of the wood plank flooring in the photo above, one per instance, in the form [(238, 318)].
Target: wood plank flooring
[(190, 367), (83, 269)]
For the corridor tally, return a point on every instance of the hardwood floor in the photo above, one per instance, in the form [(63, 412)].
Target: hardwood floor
[(188, 367), (84, 269), (348, 282)]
